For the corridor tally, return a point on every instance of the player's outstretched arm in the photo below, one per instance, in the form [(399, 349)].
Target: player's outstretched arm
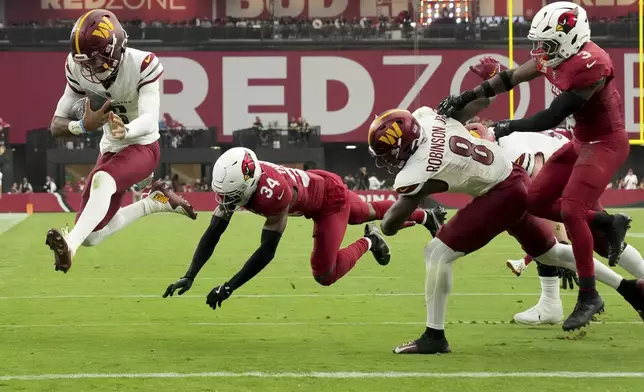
[(204, 251), (471, 109), (561, 107), (271, 235), (502, 82), (410, 198)]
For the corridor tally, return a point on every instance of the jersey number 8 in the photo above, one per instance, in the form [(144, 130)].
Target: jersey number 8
[(465, 148)]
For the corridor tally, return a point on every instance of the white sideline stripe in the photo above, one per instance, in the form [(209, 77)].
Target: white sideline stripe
[(636, 235), (312, 295), (283, 324), (336, 375), (8, 221)]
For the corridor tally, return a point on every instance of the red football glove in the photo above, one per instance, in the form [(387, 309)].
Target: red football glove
[(487, 68)]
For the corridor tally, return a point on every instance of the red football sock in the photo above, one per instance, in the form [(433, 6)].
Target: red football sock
[(346, 260), (527, 259), (418, 216), (381, 207), (575, 219)]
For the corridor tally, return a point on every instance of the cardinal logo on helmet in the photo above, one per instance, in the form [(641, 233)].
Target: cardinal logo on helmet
[(567, 21), (248, 167)]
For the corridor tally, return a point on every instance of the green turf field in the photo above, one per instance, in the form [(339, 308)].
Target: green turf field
[(105, 327)]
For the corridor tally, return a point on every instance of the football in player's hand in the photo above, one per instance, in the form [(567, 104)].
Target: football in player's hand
[(96, 101)]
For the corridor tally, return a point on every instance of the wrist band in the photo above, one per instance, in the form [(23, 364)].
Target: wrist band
[(76, 127)]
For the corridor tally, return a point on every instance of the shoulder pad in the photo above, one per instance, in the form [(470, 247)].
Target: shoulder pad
[(150, 70), (72, 80)]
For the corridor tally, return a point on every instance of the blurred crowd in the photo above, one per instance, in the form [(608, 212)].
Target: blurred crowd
[(298, 132), (363, 181)]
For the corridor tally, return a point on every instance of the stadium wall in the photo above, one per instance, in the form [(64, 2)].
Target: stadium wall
[(205, 201), (338, 90)]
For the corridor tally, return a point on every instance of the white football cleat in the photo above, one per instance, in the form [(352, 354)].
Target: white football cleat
[(516, 266), (541, 314)]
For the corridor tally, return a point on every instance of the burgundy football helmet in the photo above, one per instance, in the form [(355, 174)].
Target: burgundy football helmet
[(393, 137), (480, 131), (98, 41)]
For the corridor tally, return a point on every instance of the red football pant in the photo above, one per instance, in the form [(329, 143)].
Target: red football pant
[(129, 166), (328, 262), (569, 185)]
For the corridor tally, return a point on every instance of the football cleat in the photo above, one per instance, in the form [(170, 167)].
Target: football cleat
[(379, 247), (516, 266), (57, 242), (616, 235), (424, 345), (587, 306), (434, 219), (165, 199), (633, 293), (541, 314)]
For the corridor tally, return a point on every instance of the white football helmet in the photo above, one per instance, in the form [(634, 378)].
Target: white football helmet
[(558, 31), (235, 177)]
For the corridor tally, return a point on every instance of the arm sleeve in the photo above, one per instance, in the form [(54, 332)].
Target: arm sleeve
[(207, 245), (148, 120), (560, 108), (260, 259), (65, 103)]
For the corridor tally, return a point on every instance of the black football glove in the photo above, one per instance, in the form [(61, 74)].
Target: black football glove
[(218, 295), (502, 128), (568, 278), (450, 105), (184, 284)]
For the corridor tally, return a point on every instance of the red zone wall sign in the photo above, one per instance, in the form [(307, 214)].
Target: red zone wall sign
[(340, 91), (205, 201)]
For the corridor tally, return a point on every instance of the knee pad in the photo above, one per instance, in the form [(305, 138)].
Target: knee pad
[(436, 250), (103, 180), (324, 280)]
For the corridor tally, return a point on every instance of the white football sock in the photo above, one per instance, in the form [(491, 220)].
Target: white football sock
[(631, 261), (561, 255), (549, 290), (438, 281), (103, 187), (123, 217)]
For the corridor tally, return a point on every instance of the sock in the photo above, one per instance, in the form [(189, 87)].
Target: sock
[(369, 243), (381, 207), (419, 216), (438, 281), (103, 187), (549, 290), (600, 220), (631, 260), (347, 259), (434, 334), (628, 289), (527, 259), (581, 237), (123, 217)]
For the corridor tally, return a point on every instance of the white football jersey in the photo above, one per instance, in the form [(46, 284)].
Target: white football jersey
[(448, 153), (136, 69), (521, 147)]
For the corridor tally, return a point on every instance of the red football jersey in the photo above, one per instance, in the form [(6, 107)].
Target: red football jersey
[(603, 113), (275, 191)]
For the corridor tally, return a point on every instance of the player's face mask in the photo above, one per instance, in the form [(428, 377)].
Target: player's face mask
[(545, 53), (231, 201), (388, 160)]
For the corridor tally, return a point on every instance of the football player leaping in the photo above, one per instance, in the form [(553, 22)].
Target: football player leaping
[(239, 179), (437, 154), (100, 65), (569, 185)]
